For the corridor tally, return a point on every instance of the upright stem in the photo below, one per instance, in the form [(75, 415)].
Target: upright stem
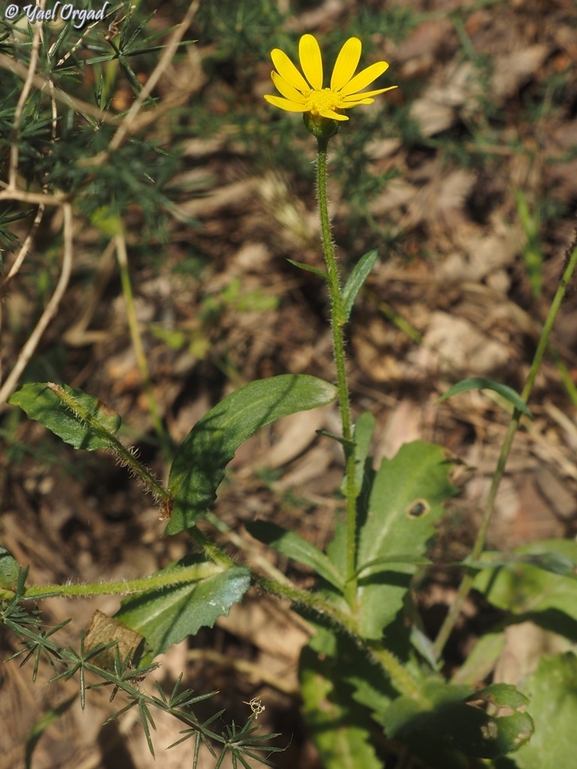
[(338, 320), (466, 584), (137, 344)]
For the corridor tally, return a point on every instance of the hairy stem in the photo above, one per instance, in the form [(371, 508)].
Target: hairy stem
[(182, 576), (125, 457), (338, 321)]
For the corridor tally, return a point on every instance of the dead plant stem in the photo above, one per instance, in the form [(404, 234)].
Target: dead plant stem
[(50, 310)]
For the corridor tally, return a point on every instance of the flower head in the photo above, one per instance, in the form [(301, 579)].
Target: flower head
[(306, 94)]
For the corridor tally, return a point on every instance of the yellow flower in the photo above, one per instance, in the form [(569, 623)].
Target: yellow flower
[(306, 94)]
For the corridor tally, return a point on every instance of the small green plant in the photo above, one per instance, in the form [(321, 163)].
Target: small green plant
[(372, 681)]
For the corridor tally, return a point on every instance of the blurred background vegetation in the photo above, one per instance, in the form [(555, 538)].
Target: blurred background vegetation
[(465, 180)]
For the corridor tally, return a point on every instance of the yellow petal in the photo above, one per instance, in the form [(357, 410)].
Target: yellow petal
[(334, 115), (286, 89), (311, 61), (346, 63), (351, 104), (288, 71), (365, 77), (354, 98), (289, 106)]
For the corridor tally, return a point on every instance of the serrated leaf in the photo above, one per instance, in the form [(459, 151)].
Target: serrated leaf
[(458, 722), (200, 462), (552, 690), (293, 546), (356, 279), (482, 383), (166, 616), (523, 587), (69, 420), (405, 502), (337, 725)]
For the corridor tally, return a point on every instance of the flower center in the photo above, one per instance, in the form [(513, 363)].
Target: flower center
[(318, 102)]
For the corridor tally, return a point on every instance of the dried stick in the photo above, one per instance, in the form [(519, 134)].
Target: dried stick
[(13, 171), (41, 83), (28, 350), (129, 123)]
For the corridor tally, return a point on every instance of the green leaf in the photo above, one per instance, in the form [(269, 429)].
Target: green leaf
[(166, 616), (405, 558), (524, 587), (364, 429), (356, 279), (79, 419), (337, 547), (308, 268), (482, 383), (200, 462), (405, 502), (556, 563), (480, 663), (337, 725), (552, 690), (458, 721), (293, 546), (367, 682), (9, 570)]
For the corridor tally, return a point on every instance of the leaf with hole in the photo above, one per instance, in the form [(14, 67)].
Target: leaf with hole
[(405, 501), (457, 720)]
